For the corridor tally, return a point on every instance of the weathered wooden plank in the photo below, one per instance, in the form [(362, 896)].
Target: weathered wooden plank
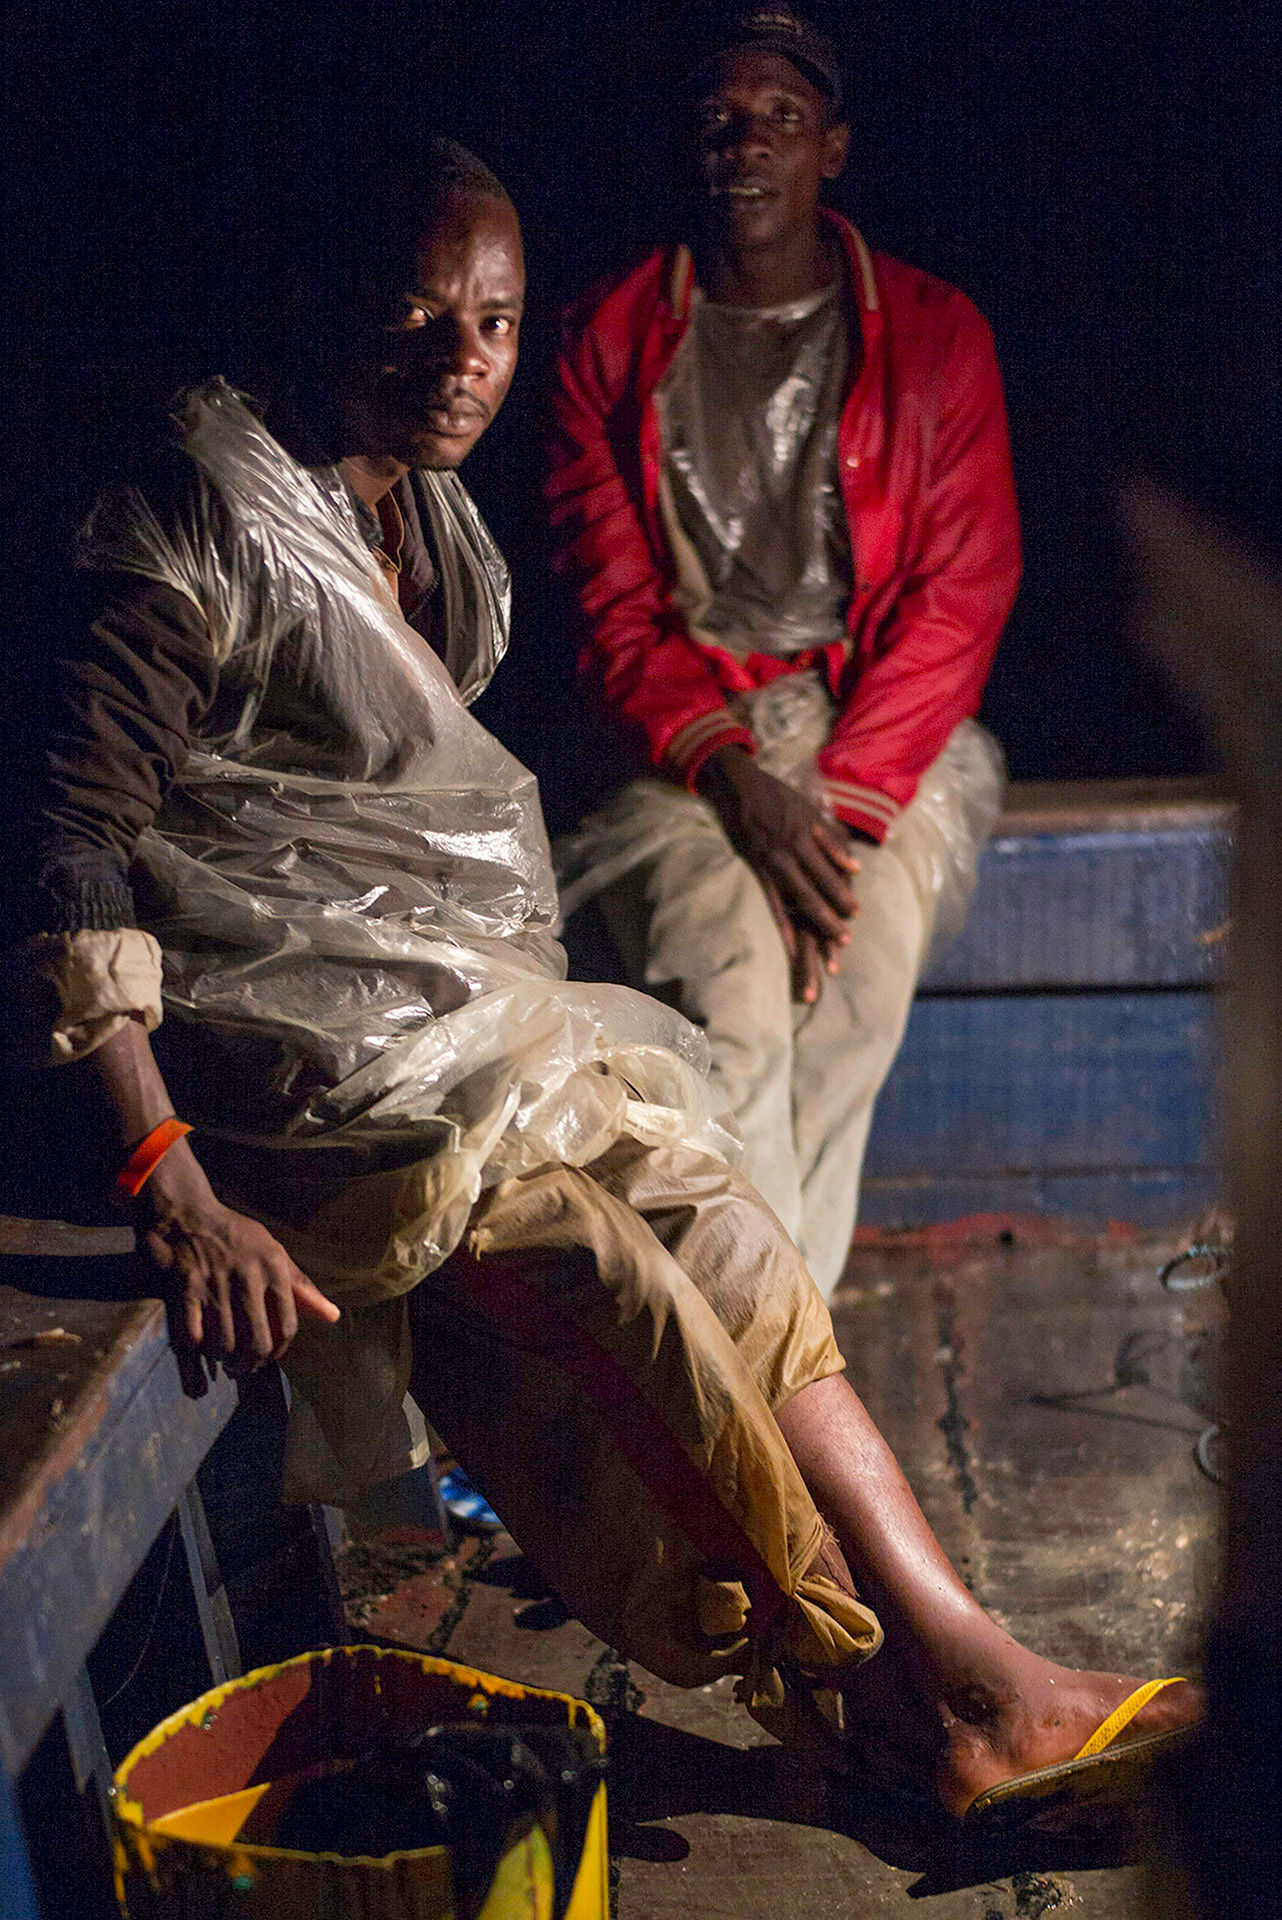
[(213, 1609), (61, 1239), (1159, 804), (274, 1560), (1044, 1402), (1063, 1054), (97, 1442), (66, 1366), (85, 1746), (1146, 1198)]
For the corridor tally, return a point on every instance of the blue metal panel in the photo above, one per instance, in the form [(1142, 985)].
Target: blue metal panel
[(1062, 1055), (1070, 1084), (1108, 908), (17, 1891)]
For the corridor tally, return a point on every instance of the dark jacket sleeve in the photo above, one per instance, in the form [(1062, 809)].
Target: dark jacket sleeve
[(118, 706)]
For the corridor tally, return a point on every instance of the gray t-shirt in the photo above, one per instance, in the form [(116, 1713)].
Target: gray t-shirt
[(749, 412)]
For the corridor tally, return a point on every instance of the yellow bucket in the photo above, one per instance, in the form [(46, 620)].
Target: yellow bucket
[(185, 1796)]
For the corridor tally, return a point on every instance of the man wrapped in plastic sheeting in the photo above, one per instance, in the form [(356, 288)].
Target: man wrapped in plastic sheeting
[(420, 1157), (781, 485)]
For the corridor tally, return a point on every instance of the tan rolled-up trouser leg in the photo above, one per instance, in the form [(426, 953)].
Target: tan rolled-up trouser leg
[(605, 1366)]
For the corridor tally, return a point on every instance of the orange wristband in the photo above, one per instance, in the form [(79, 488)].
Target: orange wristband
[(148, 1154)]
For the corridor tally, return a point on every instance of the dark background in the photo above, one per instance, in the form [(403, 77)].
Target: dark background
[(1107, 186)]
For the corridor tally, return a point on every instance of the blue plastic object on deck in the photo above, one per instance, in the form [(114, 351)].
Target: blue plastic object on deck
[(465, 1506)]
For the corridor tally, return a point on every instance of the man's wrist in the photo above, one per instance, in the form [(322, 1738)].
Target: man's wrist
[(178, 1181), (724, 767)]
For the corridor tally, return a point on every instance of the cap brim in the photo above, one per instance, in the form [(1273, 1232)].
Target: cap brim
[(765, 43)]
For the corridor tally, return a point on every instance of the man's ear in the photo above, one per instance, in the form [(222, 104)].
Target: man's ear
[(836, 145)]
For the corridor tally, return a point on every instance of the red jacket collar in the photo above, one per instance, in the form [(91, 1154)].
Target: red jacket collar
[(679, 278)]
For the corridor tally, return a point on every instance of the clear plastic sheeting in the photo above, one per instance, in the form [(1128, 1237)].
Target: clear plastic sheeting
[(351, 880), (952, 814), (938, 837), (790, 719)]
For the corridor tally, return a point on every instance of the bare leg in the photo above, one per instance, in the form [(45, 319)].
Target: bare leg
[(1002, 1710)]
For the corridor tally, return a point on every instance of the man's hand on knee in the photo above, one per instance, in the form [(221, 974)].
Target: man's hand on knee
[(233, 1292), (803, 860)]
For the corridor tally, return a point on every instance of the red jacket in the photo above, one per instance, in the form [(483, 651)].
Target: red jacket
[(926, 480)]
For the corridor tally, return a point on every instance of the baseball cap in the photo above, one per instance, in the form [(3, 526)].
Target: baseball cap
[(772, 29)]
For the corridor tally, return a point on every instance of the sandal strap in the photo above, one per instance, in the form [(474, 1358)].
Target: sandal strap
[(1122, 1716)]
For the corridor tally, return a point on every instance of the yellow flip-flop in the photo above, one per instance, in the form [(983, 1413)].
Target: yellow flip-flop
[(1101, 1776)]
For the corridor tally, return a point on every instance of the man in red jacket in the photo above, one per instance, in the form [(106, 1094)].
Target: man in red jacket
[(781, 484)]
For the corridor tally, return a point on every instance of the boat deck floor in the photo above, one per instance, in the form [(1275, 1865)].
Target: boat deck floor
[(1045, 1396)]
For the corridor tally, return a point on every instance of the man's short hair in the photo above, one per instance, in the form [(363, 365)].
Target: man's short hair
[(447, 167), (397, 198), (328, 270), (409, 182)]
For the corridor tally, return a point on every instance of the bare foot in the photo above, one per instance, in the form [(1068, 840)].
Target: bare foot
[(1040, 1715), (1031, 1714), (893, 1734)]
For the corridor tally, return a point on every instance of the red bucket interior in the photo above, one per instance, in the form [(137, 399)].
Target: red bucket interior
[(329, 1707)]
